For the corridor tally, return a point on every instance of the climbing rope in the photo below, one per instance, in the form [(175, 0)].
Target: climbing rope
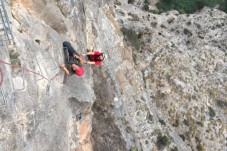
[(19, 67)]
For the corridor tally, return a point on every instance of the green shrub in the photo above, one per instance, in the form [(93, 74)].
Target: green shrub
[(162, 121), (186, 122), (134, 17), (162, 141), (14, 59), (132, 38), (200, 147), (131, 1), (133, 149), (221, 103), (154, 24), (211, 112), (149, 118), (174, 149), (189, 6), (176, 123), (200, 123), (182, 137), (223, 5), (146, 4)]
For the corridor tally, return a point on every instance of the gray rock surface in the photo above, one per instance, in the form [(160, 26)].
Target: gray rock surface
[(163, 86)]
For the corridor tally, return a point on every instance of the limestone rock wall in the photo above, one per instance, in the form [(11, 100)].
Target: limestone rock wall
[(163, 86)]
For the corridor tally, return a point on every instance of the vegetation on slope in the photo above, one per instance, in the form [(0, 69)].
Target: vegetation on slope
[(190, 6)]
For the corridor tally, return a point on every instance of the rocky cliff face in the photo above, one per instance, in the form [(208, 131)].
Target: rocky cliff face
[(163, 86)]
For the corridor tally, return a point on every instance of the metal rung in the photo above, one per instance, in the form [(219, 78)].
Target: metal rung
[(5, 22)]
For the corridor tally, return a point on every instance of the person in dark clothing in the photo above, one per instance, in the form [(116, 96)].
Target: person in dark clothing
[(73, 61), (72, 52)]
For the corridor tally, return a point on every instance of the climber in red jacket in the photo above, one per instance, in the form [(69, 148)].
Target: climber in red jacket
[(95, 57)]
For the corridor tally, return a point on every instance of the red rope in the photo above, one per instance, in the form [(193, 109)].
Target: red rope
[(16, 66)]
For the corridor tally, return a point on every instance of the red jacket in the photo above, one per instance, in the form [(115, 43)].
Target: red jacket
[(95, 57)]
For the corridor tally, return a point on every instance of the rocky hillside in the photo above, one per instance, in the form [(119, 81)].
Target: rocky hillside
[(163, 86)]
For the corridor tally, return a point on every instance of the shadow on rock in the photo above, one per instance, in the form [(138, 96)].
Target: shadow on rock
[(105, 133)]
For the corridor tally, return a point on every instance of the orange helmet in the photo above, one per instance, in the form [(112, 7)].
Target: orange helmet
[(79, 71)]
